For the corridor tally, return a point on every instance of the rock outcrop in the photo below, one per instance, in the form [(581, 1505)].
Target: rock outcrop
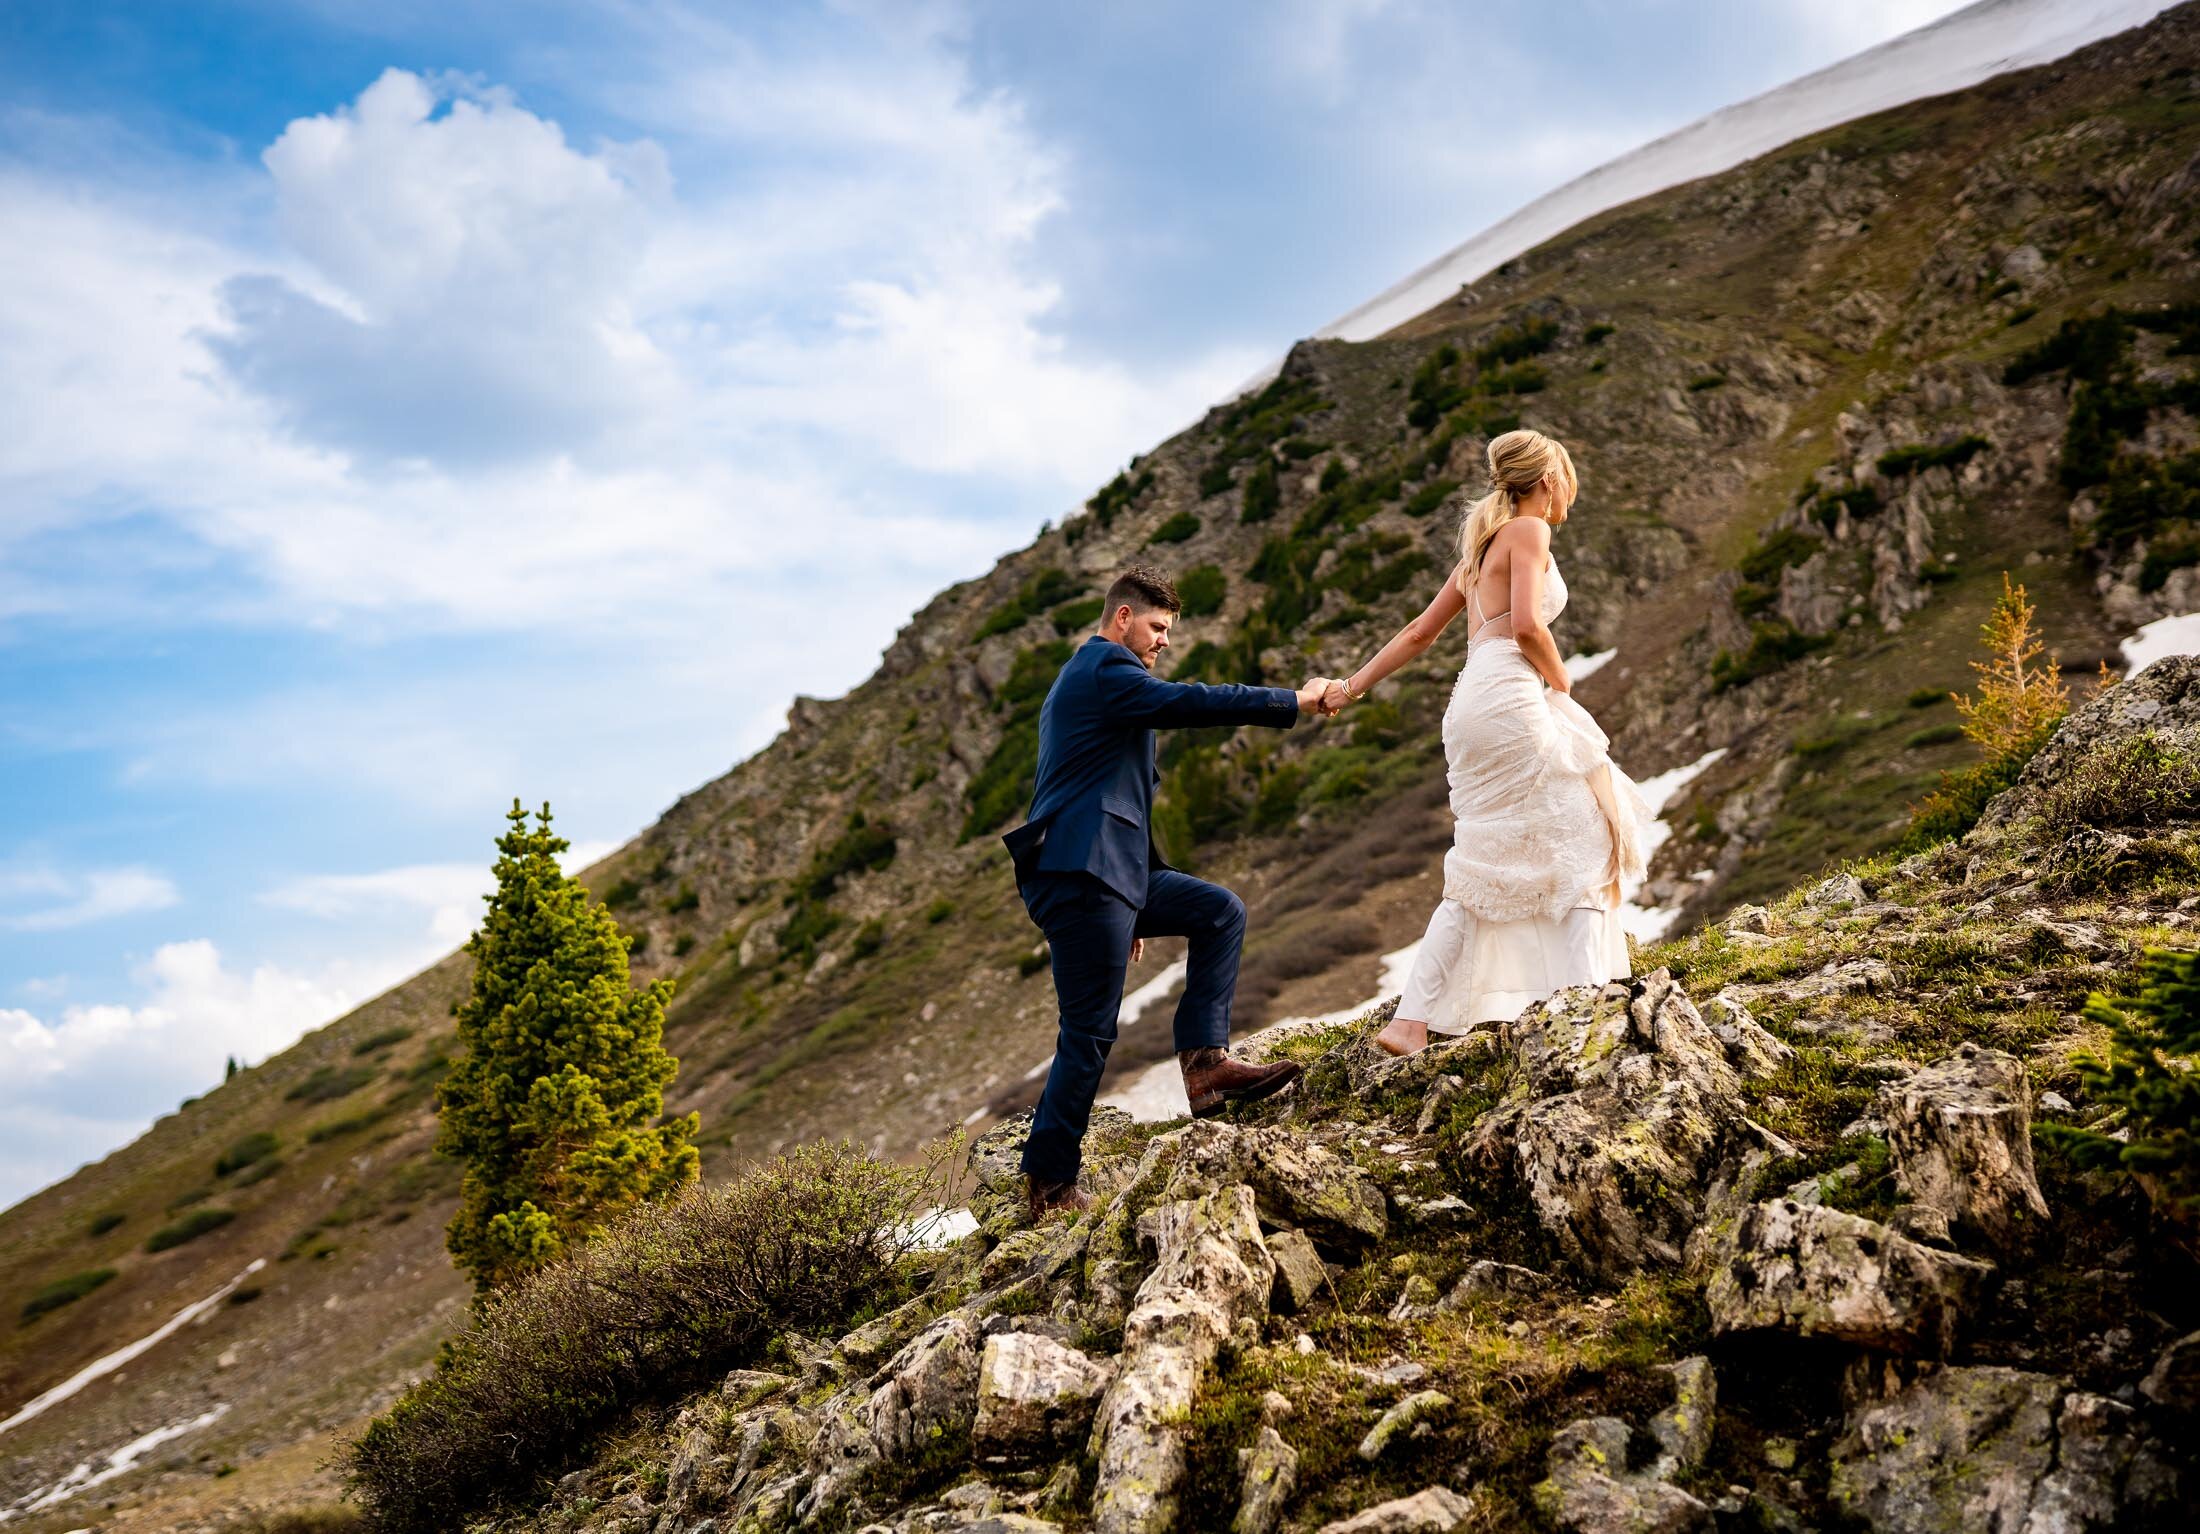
[(1961, 1133), (1809, 1271), (1625, 1106)]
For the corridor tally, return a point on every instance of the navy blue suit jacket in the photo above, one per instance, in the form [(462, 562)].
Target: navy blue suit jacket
[(1093, 800)]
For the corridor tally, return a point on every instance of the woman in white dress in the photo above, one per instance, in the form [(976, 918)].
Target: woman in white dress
[(1546, 825)]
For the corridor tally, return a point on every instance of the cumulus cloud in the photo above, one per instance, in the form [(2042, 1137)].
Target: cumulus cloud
[(62, 900), (77, 1083), (479, 275)]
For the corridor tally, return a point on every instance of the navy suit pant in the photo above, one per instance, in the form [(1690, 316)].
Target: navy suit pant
[(1089, 930)]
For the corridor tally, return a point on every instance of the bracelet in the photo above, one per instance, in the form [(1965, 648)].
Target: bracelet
[(1346, 684)]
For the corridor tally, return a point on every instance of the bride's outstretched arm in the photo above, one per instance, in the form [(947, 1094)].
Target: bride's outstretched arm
[(1410, 642)]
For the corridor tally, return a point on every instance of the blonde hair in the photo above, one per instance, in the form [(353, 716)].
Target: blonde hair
[(1519, 461)]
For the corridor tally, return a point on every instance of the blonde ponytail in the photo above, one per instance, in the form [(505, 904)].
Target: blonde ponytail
[(1518, 461)]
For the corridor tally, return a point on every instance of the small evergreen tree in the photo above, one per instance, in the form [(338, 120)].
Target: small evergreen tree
[(2017, 696), (2018, 705), (2152, 1072), (552, 1107)]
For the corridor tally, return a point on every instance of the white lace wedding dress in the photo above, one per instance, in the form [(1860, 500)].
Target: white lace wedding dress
[(1546, 827)]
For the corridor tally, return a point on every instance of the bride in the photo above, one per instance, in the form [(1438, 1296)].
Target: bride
[(1546, 824)]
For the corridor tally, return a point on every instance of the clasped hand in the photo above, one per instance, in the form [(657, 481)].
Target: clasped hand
[(1325, 696)]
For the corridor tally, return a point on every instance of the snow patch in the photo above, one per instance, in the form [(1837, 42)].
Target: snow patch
[(1646, 924), (2179, 635), (1579, 666), (119, 1462), (122, 1355)]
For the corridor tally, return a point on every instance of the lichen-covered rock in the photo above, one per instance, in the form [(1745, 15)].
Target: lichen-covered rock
[(996, 1166), (925, 1393), (1432, 1510), (1271, 1473), (1624, 1108), (1817, 1272), (1750, 1049), (1300, 1276), (1995, 1449), (1961, 1133), (1211, 1268), (1683, 1430), (1296, 1180), (1486, 1277), (1589, 1490), (1404, 1417), (1034, 1395)]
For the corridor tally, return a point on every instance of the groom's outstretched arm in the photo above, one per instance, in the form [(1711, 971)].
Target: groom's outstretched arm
[(1135, 695)]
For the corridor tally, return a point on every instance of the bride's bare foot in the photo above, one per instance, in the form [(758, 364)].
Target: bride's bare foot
[(1401, 1037)]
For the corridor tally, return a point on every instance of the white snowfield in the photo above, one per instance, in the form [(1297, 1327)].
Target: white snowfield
[(1974, 44)]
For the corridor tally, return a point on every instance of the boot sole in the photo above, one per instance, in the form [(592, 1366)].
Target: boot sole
[(1208, 1104)]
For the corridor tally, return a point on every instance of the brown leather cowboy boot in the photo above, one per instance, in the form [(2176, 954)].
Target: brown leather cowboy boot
[(1042, 1197), (1213, 1080)]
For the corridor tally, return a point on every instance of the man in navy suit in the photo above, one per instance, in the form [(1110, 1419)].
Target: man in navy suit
[(1092, 879)]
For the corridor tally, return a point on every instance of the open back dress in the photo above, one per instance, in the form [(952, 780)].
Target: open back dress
[(1546, 827)]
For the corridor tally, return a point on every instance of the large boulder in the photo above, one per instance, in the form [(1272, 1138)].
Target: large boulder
[(2162, 701), (924, 1394), (1590, 1491), (1961, 1133), (1817, 1272), (1998, 1450), (1035, 1395), (1211, 1268), (1625, 1105), (1296, 1181)]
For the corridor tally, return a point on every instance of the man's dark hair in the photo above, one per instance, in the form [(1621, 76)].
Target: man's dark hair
[(1144, 589)]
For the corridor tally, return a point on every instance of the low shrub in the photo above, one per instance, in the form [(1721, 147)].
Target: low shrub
[(1176, 529), (349, 1124), (2140, 782), (938, 911), (1072, 616), (192, 1226), (1703, 381), (1926, 697), (328, 1082), (1201, 590), (1262, 493), (862, 847), (1595, 334), (103, 1223), (1928, 455), (659, 1304), (64, 1291), (1936, 735), (1771, 645), (257, 1146), (384, 1038)]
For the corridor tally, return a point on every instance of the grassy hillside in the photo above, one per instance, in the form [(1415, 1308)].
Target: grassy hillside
[(1819, 404)]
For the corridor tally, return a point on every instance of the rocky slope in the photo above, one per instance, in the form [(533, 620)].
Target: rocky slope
[(1820, 403), (1756, 1239)]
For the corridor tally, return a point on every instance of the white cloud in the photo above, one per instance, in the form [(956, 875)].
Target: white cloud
[(449, 894), (77, 899), (75, 1085)]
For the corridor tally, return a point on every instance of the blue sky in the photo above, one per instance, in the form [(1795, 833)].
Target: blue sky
[(405, 406)]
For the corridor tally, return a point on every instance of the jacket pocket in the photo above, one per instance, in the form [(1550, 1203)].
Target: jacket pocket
[(1123, 809)]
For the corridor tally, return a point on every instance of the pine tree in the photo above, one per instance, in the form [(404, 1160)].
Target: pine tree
[(552, 1107), (2017, 697), (2152, 1072)]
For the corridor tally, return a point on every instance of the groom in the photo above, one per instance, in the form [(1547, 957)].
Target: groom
[(1093, 881)]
